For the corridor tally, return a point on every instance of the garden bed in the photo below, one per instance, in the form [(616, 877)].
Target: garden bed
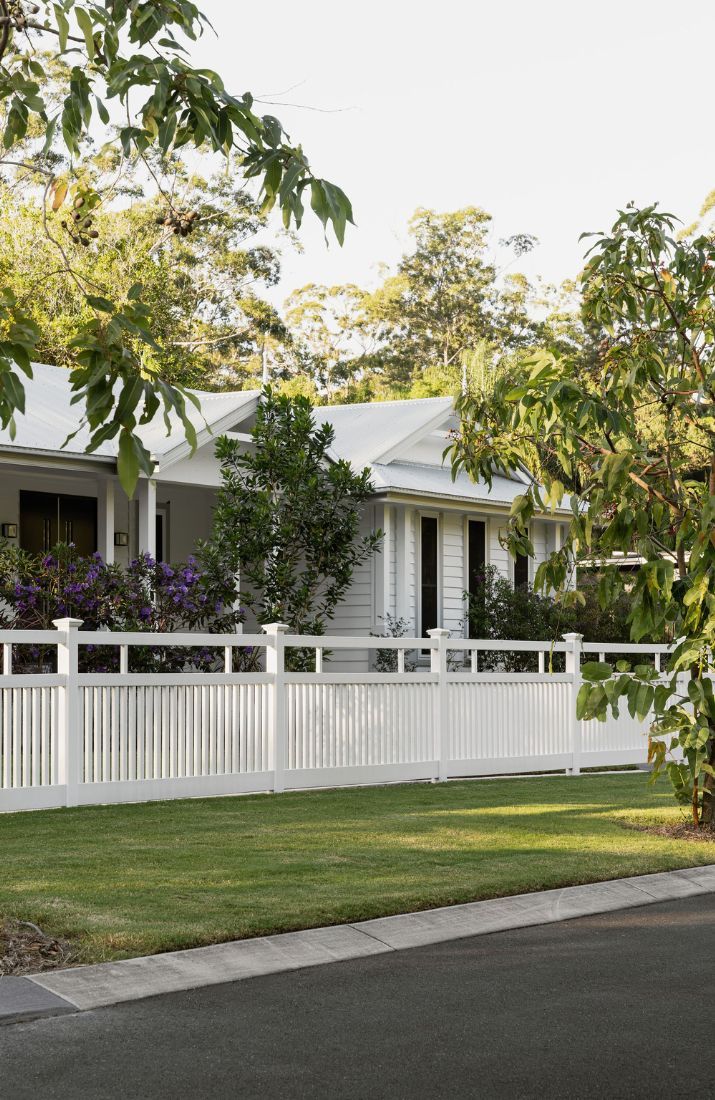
[(26, 949)]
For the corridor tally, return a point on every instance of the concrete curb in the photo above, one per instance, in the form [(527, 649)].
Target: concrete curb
[(89, 987)]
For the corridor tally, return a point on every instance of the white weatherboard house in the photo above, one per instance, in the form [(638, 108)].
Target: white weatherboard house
[(438, 532)]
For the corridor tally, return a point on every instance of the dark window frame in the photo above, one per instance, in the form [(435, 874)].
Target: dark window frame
[(429, 590), (476, 552), (520, 569)]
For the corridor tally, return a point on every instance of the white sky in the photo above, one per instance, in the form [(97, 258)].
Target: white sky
[(547, 113)]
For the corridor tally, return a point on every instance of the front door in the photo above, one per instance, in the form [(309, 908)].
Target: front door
[(49, 518)]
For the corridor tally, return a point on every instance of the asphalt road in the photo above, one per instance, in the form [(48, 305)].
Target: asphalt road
[(618, 1005)]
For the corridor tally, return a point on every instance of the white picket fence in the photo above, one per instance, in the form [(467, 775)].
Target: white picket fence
[(70, 738)]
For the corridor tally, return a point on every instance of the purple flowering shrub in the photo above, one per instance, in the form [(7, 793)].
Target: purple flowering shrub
[(145, 596)]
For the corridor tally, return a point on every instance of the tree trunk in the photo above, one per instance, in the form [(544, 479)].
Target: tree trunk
[(707, 814)]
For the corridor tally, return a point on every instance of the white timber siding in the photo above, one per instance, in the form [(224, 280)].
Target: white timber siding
[(359, 613), (390, 584), (453, 558)]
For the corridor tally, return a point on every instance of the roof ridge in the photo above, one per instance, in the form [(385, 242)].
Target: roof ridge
[(377, 404)]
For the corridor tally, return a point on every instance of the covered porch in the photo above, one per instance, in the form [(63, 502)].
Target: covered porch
[(53, 490), (84, 503)]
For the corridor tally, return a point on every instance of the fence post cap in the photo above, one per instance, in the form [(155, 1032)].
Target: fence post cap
[(438, 632), (275, 628), (573, 637), (67, 624)]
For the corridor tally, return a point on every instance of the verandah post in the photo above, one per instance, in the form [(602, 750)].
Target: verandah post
[(573, 669), (275, 665), (438, 664), (69, 750)]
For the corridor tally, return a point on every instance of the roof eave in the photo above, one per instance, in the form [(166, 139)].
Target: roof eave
[(204, 436), (33, 456), (407, 441)]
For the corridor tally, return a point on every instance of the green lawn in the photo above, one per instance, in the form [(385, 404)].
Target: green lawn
[(130, 880)]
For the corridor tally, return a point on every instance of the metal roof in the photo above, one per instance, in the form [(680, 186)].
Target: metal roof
[(51, 418), (378, 435), (437, 481), (365, 433)]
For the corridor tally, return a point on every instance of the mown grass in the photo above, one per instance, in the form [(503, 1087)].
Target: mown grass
[(130, 880)]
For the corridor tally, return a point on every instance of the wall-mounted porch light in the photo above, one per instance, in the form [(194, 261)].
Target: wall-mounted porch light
[(121, 538), (9, 530)]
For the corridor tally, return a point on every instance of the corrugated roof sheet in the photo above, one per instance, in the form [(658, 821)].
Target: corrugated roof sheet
[(363, 435), (365, 432), (51, 417), (436, 481)]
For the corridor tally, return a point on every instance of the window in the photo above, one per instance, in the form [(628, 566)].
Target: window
[(521, 571), (49, 518), (476, 554), (429, 604), (162, 532)]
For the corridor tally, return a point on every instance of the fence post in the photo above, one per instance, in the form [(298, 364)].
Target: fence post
[(573, 669), (69, 750), (438, 664), (275, 665)]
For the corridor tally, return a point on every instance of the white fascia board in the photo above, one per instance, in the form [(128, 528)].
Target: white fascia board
[(55, 460), (457, 503), (204, 435)]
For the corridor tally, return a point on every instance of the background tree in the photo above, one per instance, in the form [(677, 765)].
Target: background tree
[(654, 296), (203, 290), (287, 518), (332, 338), (406, 337), (444, 296), (131, 88)]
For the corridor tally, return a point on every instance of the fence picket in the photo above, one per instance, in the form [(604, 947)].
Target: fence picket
[(128, 736)]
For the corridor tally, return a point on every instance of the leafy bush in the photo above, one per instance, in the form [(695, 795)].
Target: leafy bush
[(146, 596), (497, 610), (287, 520), (386, 659)]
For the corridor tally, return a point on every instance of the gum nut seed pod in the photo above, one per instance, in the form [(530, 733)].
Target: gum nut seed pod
[(78, 202), (63, 223), (94, 234), (87, 222), (76, 217), (84, 241)]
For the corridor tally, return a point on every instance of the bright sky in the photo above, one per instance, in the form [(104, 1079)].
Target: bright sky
[(547, 113)]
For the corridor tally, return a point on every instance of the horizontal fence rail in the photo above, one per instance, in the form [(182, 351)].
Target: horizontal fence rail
[(458, 708)]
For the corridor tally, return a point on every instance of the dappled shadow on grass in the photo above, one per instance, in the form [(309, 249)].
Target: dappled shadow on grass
[(144, 878)]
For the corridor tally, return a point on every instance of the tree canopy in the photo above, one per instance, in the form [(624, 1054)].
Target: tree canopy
[(205, 291), (130, 89), (408, 336), (652, 294)]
